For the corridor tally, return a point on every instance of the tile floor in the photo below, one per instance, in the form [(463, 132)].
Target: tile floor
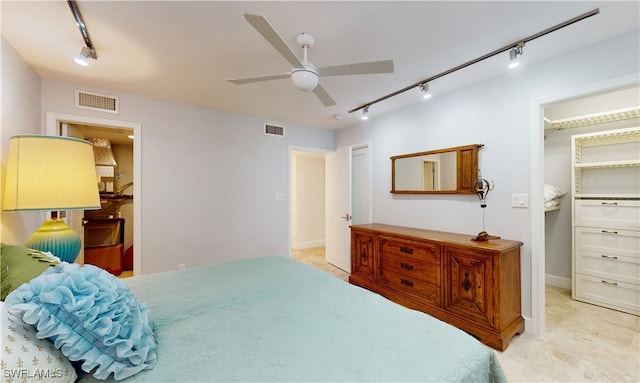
[(583, 342)]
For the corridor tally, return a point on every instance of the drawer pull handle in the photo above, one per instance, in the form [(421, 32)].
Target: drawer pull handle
[(609, 232), (406, 266), (609, 283), (466, 284), (608, 256), (406, 282), (407, 250), (609, 203)]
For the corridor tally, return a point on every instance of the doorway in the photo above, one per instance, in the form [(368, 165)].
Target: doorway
[(108, 232), (537, 322), (123, 180), (308, 209)]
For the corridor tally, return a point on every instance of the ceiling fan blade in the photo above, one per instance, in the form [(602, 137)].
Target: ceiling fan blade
[(266, 30), (247, 80), (323, 96), (384, 66)]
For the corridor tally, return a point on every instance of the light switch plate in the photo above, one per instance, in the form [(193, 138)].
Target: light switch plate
[(519, 200)]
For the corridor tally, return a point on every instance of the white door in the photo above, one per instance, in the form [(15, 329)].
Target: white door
[(338, 208), (360, 185)]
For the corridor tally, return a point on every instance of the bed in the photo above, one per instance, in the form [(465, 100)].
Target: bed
[(276, 319)]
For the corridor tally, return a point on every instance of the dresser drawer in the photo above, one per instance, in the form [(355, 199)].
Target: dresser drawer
[(611, 265), (423, 290), (411, 267), (618, 214), (614, 240), (423, 251), (613, 294)]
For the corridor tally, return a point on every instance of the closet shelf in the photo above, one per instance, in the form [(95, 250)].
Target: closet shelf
[(607, 164), (592, 119)]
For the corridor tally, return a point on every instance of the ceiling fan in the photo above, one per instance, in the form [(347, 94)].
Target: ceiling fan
[(304, 75)]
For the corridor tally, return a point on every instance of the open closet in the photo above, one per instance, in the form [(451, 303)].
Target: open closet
[(593, 176)]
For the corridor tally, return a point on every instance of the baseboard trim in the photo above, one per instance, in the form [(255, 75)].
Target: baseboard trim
[(307, 245), (554, 280)]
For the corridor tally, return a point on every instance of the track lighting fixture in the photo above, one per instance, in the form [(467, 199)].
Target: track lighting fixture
[(513, 55), (424, 88), (88, 51), (83, 57), (365, 113), (515, 50)]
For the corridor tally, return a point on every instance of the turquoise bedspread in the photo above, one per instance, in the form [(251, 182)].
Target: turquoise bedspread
[(276, 319)]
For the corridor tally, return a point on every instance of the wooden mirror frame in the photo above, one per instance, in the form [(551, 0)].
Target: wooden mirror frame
[(466, 169)]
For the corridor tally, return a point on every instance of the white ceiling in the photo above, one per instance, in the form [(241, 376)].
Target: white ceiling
[(184, 51)]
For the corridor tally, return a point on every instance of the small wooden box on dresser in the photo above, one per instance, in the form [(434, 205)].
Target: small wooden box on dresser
[(474, 286)]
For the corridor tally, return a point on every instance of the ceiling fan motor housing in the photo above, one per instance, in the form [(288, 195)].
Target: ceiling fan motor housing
[(305, 40)]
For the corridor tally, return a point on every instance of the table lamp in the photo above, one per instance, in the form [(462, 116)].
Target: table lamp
[(51, 173)]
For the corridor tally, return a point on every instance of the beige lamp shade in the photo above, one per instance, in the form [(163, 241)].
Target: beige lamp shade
[(50, 173)]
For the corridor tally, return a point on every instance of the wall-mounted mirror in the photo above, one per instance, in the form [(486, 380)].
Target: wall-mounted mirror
[(441, 171)]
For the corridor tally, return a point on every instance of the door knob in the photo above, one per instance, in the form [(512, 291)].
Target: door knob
[(347, 217)]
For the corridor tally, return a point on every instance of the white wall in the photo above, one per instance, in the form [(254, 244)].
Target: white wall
[(209, 179), (495, 113), (20, 103)]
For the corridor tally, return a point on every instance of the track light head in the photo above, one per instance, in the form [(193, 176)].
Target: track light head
[(83, 57), (513, 55), (424, 88), (365, 113)]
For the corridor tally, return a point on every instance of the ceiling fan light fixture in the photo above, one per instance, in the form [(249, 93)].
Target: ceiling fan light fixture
[(304, 79)]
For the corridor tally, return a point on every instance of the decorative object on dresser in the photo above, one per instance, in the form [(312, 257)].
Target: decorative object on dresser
[(474, 286), (51, 173), (482, 187), (605, 179)]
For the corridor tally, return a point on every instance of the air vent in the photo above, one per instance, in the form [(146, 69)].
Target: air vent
[(95, 101), (273, 130)]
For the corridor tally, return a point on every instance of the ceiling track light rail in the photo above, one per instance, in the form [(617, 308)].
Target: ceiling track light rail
[(517, 45), (83, 31)]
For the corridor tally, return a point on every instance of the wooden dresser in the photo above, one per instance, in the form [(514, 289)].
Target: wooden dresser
[(474, 286)]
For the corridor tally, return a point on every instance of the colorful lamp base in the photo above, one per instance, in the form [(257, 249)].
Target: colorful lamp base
[(56, 237)]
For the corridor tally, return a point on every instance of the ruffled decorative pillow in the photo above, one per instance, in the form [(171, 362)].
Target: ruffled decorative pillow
[(91, 316)]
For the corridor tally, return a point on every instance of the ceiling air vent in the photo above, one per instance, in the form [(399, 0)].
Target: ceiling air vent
[(95, 101), (273, 130)]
